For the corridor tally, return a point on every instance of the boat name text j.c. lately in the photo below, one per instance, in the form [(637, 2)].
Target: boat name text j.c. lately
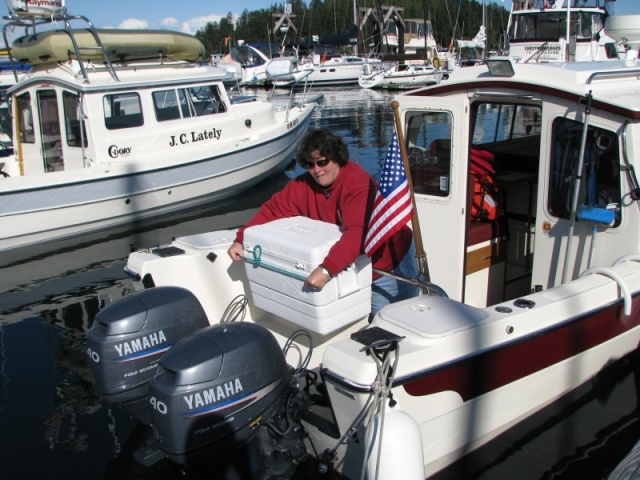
[(191, 137)]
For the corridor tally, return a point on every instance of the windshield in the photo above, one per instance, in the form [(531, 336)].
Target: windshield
[(551, 26)]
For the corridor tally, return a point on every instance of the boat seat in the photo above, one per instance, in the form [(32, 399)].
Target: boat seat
[(123, 121), (480, 232), (168, 113)]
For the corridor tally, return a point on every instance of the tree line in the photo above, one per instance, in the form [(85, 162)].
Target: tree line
[(450, 19)]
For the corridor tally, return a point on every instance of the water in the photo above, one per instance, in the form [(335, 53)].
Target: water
[(54, 426)]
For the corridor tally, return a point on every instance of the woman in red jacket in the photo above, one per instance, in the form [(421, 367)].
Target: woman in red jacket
[(339, 191)]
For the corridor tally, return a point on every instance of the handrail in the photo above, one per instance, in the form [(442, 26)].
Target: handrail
[(15, 21), (419, 281), (613, 73), (631, 173), (607, 272), (632, 257)]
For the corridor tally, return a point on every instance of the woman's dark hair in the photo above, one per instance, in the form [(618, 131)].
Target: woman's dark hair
[(327, 144)]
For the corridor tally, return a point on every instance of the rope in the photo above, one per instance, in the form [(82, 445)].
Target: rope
[(374, 405), (236, 310)]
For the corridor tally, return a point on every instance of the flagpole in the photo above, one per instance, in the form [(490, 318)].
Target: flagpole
[(421, 256)]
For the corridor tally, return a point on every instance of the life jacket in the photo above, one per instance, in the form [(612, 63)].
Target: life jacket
[(486, 196)]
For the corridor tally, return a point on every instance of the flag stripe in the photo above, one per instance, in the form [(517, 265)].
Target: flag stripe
[(393, 206), (399, 196), (389, 216)]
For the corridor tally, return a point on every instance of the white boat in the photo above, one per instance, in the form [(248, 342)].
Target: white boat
[(321, 66), (415, 39), (560, 31), (401, 77), (248, 63), (135, 131), (538, 299)]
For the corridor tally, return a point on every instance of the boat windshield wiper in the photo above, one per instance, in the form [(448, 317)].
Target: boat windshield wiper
[(631, 173)]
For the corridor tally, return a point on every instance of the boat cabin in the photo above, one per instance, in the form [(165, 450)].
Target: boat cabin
[(129, 124), (494, 164), (561, 33), (51, 137)]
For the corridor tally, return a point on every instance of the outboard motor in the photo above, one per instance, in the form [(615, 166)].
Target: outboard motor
[(128, 338), (215, 388)]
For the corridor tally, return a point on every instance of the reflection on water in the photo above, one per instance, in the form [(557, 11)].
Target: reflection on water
[(54, 425)]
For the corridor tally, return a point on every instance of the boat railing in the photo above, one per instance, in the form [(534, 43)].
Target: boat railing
[(632, 257), (612, 74), (420, 281), (607, 272), (32, 22), (303, 78)]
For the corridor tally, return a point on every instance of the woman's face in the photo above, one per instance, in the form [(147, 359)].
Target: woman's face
[(323, 170)]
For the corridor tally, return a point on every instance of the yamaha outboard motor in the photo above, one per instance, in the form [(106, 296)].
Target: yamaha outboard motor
[(128, 338), (215, 388)]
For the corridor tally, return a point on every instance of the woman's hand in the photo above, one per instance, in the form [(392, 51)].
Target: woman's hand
[(236, 250), (317, 279)]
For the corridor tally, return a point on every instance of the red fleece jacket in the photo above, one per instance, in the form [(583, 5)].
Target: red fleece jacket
[(348, 203)]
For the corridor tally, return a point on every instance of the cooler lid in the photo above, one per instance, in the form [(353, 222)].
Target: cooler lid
[(208, 240), (294, 239)]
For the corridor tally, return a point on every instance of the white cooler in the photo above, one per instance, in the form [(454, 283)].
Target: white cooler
[(280, 256)]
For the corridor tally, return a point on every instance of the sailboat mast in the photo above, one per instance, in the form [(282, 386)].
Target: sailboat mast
[(484, 24), (356, 20)]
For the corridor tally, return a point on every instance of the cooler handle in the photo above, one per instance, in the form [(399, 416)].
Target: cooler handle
[(256, 261)]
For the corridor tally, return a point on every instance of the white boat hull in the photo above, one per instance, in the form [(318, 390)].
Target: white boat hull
[(158, 135), (516, 333), (329, 74), (465, 374), (394, 79), (82, 202)]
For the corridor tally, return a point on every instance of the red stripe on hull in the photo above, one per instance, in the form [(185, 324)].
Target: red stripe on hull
[(482, 373)]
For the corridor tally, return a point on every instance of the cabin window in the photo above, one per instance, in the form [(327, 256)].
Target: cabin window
[(187, 102), (429, 151), (203, 100), (499, 122), (551, 26), (511, 132), (122, 110), (5, 122), (25, 118), (75, 131), (166, 105), (600, 182)]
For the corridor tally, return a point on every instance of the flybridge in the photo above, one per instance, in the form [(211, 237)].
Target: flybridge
[(554, 31), (555, 4)]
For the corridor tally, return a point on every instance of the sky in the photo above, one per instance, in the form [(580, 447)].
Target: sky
[(189, 15)]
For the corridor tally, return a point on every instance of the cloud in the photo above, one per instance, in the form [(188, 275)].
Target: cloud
[(169, 23), (192, 25), (134, 23)]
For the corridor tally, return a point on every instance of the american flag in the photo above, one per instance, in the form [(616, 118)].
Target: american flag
[(392, 208)]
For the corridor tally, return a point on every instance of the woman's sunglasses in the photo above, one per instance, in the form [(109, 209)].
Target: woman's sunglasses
[(322, 162)]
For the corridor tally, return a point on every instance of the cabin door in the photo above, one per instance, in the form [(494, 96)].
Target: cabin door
[(433, 143), (50, 139), (598, 192)]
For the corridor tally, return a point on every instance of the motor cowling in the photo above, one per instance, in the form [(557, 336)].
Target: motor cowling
[(215, 388), (128, 338)]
